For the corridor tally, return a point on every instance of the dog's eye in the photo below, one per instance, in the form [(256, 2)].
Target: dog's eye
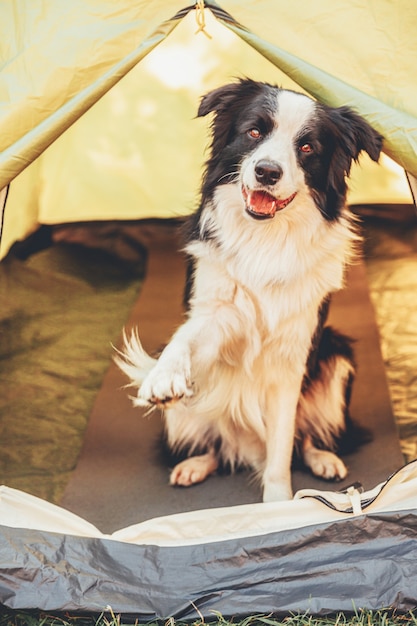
[(254, 133), (306, 148)]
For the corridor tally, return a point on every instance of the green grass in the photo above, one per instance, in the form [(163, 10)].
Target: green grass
[(357, 618)]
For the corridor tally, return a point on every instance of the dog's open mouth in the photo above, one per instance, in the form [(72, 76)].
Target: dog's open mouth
[(262, 204)]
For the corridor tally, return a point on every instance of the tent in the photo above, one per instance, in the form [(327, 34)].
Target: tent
[(88, 133)]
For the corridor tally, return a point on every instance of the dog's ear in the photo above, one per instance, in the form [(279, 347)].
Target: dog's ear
[(221, 99), (218, 99), (354, 134), (350, 134)]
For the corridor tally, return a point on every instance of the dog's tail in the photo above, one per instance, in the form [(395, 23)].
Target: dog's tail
[(134, 361)]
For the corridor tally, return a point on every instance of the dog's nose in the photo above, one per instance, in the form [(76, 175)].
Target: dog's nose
[(268, 172)]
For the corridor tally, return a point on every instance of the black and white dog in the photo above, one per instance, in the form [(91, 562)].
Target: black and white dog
[(253, 372)]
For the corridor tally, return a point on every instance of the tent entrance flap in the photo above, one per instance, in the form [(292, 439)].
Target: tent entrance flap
[(106, 51), (397, 126)]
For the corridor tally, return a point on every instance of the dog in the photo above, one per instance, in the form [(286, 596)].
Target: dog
[(254, 373)]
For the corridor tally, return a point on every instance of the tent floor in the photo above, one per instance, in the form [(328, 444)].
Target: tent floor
[(121, 479)]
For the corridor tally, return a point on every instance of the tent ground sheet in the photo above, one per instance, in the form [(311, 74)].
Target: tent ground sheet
[(121, 477), (61, 307)]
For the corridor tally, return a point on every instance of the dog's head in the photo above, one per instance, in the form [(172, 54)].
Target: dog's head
[(279, 145)]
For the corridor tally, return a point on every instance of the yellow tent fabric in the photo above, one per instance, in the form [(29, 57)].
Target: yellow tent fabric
[(137, 151), (58, 58)]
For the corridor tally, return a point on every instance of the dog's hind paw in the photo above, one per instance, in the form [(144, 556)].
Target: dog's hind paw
[(163, 387), (325, 464), (193, 470)]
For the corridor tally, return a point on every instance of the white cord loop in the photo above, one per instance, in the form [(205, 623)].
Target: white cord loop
[(355, 500)]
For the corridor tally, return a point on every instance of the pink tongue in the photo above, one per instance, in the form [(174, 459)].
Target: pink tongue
[(262, 202)]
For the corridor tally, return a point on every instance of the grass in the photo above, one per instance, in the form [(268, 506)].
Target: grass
[(357, 618)]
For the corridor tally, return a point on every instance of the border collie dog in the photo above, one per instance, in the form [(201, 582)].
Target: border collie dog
[(253, 372)]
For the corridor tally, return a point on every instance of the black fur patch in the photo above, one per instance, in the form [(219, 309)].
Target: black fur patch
[(339, 136), (312, 361)]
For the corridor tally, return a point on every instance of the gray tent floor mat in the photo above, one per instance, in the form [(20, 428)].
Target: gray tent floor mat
[(121, 479)]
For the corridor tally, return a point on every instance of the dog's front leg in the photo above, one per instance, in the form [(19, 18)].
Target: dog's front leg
[(280, 430)]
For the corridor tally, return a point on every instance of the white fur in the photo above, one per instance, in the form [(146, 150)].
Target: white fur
[(234, 369)]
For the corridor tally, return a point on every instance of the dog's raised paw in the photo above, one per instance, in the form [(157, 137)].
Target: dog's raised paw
[(163, 387)]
